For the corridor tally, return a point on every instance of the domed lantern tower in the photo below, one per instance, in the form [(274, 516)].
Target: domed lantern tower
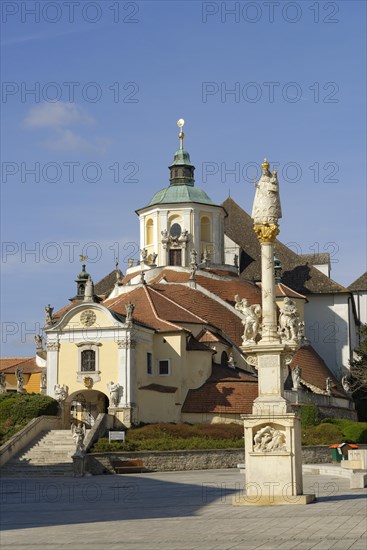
[(181, 218)]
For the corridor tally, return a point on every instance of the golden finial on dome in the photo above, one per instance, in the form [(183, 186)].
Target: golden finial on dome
[(181, 135)]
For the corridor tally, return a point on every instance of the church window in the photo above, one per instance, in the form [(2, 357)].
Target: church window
[(205, 229), (88, 362), (149, 232), (175, 230), (149, 363), (164, 367)]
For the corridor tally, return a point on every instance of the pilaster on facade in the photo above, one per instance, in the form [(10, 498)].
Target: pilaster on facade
[(52, 347), (127, 369)]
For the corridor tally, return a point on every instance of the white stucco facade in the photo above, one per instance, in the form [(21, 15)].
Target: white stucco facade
[(330, 328)]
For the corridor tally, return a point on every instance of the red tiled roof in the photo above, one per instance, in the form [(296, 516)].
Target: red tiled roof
[(66, 308), (221, 272), (232, 393), (210, 336), (201, 305), (283, 290), (195, 345), (222, 287), (315, 370), (360, 284), (297, 274), (129, 276), (228, 288), (171, 276), (144, 312), (170, 310), (224, 374), (27, 364)]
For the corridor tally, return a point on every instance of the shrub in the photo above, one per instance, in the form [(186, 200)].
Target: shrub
[(164, 437), (323, 434), (352, 432), (184, 431), (17, 409), (309, 415)]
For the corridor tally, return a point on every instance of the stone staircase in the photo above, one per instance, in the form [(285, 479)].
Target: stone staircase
[(49, 454)]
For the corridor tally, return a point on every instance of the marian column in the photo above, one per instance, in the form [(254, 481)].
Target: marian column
[(273, 454)]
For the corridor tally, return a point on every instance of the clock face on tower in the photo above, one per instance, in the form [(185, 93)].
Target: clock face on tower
[(88, 318)]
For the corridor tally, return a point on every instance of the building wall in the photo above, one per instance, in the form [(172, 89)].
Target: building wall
[(327, 327), (188, 369), (31, 382), (189, 218), (360, 300), (68, 366)]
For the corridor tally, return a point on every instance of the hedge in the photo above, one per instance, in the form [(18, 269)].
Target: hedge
[(17, 409)]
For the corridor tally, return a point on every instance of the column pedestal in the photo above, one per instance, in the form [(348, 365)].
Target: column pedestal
[(273, 453), (123, 416)]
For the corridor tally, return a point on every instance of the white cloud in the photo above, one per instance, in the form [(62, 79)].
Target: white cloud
[(61, 118), (56, 115), (67, 140)]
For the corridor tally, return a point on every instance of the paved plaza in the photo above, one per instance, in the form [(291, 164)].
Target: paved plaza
[(175, 510)]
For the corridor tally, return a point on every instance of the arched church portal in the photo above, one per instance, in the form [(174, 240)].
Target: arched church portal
[(84, 406)]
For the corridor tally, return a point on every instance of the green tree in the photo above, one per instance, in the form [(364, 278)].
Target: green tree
[(358, 373)]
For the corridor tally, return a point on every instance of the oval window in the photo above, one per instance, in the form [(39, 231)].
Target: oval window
[(175, 230)]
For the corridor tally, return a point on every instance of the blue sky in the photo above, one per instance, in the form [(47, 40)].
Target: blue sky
[(112, 78)]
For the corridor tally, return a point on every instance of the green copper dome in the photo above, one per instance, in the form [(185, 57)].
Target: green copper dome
[(180, 193), (83, 274), (181, 188)]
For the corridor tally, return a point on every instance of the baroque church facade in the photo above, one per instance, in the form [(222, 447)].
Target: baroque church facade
[(162, 343)]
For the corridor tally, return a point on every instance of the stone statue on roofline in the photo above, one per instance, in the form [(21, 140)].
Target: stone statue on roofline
[(144, 254), (193, 257), (251, 320), (43, 382), (61, 392), (2, 383), (296, 377), (129, 312), (328, 385), (48, 315), (20, 380), (38, 342), (89, 290), (193, 270)]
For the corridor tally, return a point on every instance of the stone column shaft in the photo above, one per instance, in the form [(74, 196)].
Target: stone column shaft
[(269, 312)]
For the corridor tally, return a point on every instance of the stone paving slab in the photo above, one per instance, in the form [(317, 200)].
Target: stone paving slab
[(189, 510)]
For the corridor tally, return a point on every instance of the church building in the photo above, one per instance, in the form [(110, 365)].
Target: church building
[(162, 343)]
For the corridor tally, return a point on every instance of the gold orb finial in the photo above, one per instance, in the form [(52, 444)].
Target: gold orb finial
[(181, 135)]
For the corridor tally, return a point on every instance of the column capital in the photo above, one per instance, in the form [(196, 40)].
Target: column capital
[(266, 233), (126, 343)]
